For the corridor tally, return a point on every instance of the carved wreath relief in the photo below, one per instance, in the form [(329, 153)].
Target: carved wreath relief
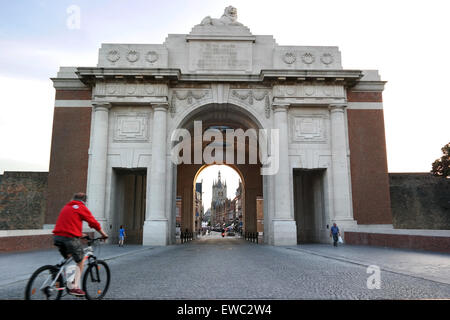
[(251, 94), (326, 58), (151, 56), (132, 56), (190, 96), (289, 57), (306, 58), (113, 56)]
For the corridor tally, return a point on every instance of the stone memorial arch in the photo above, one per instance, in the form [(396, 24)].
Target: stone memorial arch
[(113, 126)]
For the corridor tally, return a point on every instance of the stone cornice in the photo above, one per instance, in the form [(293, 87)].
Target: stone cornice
[(213, 37), (301, 75), (89, 75), (368, 86), (132, 100), (69, 84)]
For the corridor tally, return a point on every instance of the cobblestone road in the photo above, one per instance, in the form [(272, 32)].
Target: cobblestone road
[(235, 269)]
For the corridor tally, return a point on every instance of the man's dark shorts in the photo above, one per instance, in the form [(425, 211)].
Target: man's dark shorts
[(70, 246)]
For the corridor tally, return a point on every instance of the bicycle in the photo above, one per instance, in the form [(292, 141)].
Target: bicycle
[(49, 282)]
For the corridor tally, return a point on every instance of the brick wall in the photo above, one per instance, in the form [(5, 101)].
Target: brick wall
[(403, 241), (16, 241), (69, 152), (420, 201), (26, 243), (368, 161), (23, 200)]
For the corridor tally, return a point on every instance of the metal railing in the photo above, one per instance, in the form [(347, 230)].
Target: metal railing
[(252, 236), (186, 236)]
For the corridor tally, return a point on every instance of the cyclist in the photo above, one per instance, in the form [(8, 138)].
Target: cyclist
[(67, 233)]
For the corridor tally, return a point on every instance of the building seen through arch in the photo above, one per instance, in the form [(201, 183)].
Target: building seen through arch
[(219, 203)]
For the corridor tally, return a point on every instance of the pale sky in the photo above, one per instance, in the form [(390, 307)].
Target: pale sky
[(407, 41)]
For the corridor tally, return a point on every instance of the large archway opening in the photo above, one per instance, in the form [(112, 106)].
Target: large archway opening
[(220, 118)]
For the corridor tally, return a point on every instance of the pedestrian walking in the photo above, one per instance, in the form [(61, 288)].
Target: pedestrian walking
[(122, 236), (335, 233)]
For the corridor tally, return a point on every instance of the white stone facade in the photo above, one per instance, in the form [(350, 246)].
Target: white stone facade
[(142, 92)]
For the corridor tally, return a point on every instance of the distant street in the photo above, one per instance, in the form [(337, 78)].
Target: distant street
[(231, 268)]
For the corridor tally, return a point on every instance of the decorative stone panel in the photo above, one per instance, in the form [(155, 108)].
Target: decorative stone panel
[(129, 89), (130, 92), (311, 90), (308, 128), (131, 126), (310, 94)]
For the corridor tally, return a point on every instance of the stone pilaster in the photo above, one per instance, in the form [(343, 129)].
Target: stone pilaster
[(342, 213), (284, 226), (156, 228), (99, 153)]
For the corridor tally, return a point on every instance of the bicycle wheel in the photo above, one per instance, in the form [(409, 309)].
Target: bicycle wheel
[(96, 280), (39, 287)]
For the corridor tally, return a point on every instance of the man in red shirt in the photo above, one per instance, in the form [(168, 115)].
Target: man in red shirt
[(68, 231)]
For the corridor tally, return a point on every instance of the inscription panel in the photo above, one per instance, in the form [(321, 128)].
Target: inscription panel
[(205, 56)]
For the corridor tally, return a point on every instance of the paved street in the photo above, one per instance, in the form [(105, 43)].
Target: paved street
[(216, 268)]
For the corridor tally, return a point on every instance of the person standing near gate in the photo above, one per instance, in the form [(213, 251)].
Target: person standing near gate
[(122, 236), (335, 233)]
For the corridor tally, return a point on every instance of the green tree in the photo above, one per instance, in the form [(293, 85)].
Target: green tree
[(441, 167)]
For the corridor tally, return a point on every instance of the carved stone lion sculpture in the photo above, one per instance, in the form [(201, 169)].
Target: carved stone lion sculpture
[(229, 17)]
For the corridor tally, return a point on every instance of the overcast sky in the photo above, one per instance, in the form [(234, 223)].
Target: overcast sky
[(407, 41)]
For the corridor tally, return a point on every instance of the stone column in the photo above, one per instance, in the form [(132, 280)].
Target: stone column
[(342, 213), (284, 227), (156, 228), (97, 166)]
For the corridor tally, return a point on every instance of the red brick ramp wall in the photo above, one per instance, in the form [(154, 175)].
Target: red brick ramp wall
[(403, 241), (26, 243), (19, 243)]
